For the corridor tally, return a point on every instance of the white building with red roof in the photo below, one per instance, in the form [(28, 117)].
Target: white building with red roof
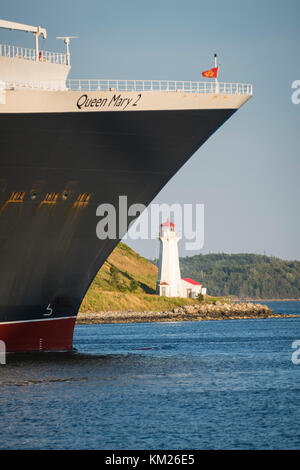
[(191, 288), (170, 283)]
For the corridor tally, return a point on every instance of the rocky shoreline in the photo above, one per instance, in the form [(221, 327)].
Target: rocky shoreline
[(197, 312)]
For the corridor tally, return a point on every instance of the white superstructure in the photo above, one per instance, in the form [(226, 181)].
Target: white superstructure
[(38, 80), (31, 66)]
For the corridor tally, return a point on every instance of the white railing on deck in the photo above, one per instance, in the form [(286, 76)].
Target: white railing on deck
[(160, 85), (53, 85), (136, 85), (30, 54)]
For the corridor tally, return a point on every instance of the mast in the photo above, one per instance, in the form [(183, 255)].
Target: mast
[(67, 43)]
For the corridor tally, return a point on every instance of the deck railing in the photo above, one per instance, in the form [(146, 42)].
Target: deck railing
[(160, 85), (30, 54), (53, 85), (137, 85)]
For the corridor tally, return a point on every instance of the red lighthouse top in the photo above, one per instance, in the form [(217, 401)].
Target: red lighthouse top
[(167, 224)]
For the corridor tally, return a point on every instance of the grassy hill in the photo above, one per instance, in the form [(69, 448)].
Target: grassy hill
[(244, 275), (127, 281)]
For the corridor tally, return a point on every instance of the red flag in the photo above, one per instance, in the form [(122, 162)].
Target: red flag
[(212, 73)]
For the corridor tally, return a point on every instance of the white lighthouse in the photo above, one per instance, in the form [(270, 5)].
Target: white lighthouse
[(169, 279), (169, 282)]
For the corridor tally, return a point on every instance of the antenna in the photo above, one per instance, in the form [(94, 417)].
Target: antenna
[(67, 42)]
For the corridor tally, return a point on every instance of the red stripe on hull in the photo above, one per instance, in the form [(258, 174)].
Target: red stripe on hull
[(49, 335)]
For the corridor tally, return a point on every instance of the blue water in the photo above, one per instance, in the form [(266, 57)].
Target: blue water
[(227, 384)]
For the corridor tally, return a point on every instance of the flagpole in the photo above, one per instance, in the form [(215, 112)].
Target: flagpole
[(216, 64), (216, 79)]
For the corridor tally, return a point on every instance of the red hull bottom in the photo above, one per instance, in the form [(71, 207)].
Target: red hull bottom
[(41, 335)]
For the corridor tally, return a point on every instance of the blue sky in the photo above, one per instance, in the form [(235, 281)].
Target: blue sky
[(247, 174)]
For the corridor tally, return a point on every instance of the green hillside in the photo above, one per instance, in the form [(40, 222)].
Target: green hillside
[(244, 275), (127, 281)]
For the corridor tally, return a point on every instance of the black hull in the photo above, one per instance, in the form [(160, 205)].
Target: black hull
[(49, 252)]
